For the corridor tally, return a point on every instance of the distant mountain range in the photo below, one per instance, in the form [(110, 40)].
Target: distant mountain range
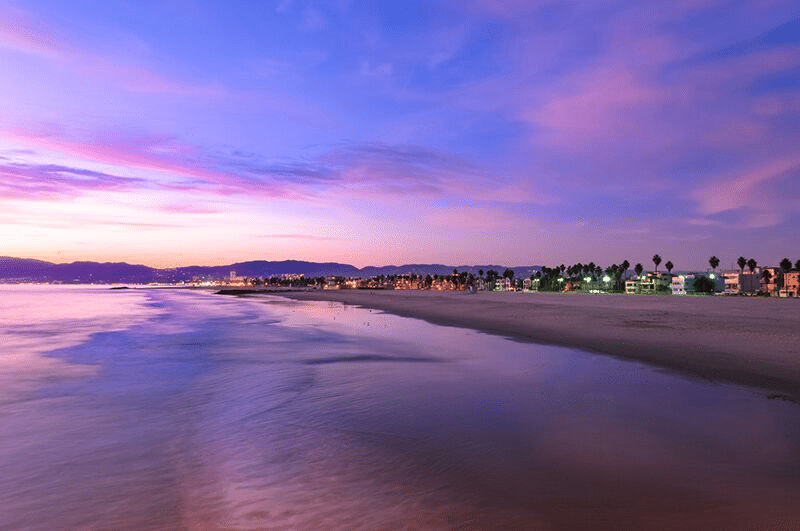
[(28, 270)]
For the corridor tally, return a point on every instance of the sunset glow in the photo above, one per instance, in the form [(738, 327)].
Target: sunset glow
[(485, 131)]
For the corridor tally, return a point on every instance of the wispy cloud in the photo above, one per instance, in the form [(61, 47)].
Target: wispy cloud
[(507, 115), (311, 237), (21, 32), (365, 170), (45, 181), (763, 205)]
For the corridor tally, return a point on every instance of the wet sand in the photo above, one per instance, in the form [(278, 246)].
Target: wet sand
[(747, 341)]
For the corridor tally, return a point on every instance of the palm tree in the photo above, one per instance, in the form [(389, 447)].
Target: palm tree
[(713, 262), (638, 268), (786, 265), (669, 266), (752, 264), (625, 266), (656, 261), (797, 265), (742, 261), (480, 273)]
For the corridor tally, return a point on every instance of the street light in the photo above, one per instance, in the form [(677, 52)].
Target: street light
[(606, 278)]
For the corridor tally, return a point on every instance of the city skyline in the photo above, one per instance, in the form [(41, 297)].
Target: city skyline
[(372, 133)]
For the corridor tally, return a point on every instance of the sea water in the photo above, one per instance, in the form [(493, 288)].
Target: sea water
[(184, 410)]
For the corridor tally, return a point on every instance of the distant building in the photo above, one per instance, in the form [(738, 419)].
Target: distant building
[(731, 282), (770, 284), (791, 284), (502, 284), (651, 283), (739, 283), (718, 280), (530, 284), (630, 287), (683, 284)]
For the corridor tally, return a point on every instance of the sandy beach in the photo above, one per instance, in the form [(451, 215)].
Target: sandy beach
[(747, 341)]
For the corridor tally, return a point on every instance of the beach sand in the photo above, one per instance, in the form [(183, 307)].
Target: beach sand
[(743, 340)]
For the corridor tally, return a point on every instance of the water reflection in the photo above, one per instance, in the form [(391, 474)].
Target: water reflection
[(220, 413)]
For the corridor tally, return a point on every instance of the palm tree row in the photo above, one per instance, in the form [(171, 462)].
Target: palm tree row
[(594, 271), (752, 264)]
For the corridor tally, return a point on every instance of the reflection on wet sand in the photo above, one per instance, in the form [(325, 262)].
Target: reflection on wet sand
[(226, 413)]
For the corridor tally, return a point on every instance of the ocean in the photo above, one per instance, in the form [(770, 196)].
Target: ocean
[(170, 409)]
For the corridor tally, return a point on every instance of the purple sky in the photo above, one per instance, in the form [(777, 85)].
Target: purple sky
[(472, 131)]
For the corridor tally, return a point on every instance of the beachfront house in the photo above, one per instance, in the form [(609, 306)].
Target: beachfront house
[(791, 284), (502, 284), (630, 287), (771, 282), (530, 284), (742, 283), (649, 284), (683, 284), (731, 282)]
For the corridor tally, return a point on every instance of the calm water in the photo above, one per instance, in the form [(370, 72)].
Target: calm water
[(173, 410)]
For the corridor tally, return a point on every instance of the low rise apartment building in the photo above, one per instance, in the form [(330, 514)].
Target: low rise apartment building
[(771, 279), (742, 283), (648, 284), (791, 284), (630, 287), (683, 284), (502, 284), (530, 284)]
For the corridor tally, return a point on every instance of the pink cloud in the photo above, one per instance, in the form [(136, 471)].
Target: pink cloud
[(193, 168), (735, 72), (375, 170), (311, 237), (601, 102), (506, 8), (485, 218), (742, 190), (132, 152), (22, 33), (46, 181), (775, 105), (189, 209)]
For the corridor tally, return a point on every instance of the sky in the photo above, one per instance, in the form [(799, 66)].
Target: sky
[(515, 132)]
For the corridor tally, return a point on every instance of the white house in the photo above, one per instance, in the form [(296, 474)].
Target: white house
[(683, 284), (737, 282), (502, 284)]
